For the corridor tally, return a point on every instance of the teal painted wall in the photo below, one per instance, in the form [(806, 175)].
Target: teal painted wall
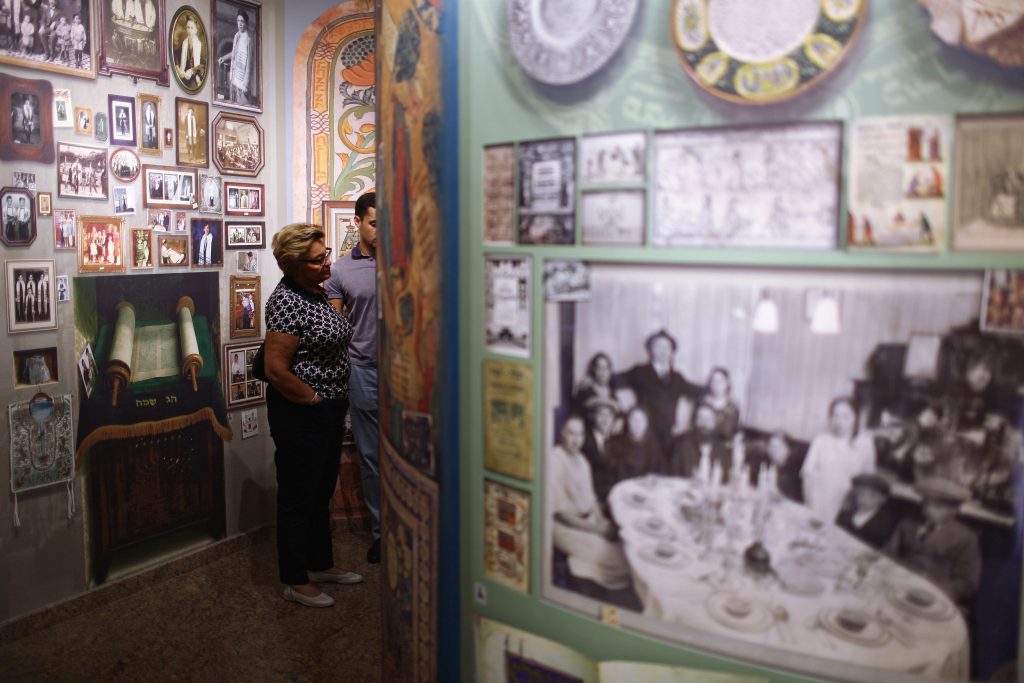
[(897, 67)]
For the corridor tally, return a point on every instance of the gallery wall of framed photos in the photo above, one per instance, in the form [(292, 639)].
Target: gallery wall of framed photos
[(122, 170), (782, 230)]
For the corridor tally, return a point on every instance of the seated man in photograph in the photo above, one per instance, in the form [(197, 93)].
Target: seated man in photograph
[(697, 445), (867, 514), (588, 557), (941, 548)]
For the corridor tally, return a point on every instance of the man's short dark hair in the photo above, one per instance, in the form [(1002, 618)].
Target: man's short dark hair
[(364, 203)]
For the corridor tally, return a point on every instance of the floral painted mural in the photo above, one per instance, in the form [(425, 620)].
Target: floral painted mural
[(334, 98)]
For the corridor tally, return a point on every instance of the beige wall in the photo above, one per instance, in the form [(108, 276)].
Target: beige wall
[(44, 561)]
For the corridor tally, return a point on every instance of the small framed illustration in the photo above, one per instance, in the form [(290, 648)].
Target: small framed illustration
[(121, 110), (100, 244), (250, 422), (193, 121), (62, 110), (210, 194), (19, 216), (613, 158), (124, 165), (237, 144), (81, 171), (83, 120), (207, 242), (245, 235), (64, 229), (142, 248), (149, 124), (44, 203), (63, 289), (26, 128), (241, 388), (33, 367), (124, 201), (499, 196), (189, 48), (87, 369), (547, 192), (172, 250), (168, 138), (248, 261), (341, 230), (73, 55), (507, 307), (245, 306), (30, 296), (1002, 308), (168, 186), (131, 40), (614, 217), (244, 199), (100, 126), (237, 76)]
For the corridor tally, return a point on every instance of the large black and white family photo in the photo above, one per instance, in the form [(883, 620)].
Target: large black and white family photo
[(821, 469)]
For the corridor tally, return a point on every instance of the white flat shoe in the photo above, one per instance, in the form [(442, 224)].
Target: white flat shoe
[(322, 600), (329, 577)]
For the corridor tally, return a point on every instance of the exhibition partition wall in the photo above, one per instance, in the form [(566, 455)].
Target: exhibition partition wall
[(740, 340)]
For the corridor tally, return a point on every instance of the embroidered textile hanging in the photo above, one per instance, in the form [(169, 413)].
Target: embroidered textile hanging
[(42, 446)]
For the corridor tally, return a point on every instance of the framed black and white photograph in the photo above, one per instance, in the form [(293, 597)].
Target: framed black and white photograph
[(131, 39), (64, 222), (121, 110), (124, 165), (614, 218), (189, 48), (547, 192), (62, 108), (50, 36), (124, 200), (192, 118), (100, 127), (499, 201), (780, 471), (237, 144), (19, 217), (63, 289), (773, 186), (26, 128), (211, 199), (237, 45), (613, 158), (988, 183), (44, 203), (507, 297), (30, 296), (241, 388), (566, 280), (207, 242), (168, 187), (149, 124), (243, 199), (24, 179), (81, 171), (83, 121), (245, 235)]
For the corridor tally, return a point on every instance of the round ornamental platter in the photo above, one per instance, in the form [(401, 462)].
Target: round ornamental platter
[(757, 52), (561, 42)]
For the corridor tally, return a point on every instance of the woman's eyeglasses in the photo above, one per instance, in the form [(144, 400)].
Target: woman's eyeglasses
[(322, 259)]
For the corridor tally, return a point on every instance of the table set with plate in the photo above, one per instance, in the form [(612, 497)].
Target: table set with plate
[(744, 562)]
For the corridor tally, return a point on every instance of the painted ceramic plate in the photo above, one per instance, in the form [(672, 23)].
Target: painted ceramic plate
[(750, 52), (560, 42)]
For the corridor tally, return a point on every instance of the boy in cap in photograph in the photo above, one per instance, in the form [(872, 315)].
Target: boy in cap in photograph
[(941, 548), (868, 515)]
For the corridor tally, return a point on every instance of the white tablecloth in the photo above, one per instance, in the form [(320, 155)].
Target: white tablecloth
[(686, 557)]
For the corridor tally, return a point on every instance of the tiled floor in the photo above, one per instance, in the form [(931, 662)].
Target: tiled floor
[(223, 621)]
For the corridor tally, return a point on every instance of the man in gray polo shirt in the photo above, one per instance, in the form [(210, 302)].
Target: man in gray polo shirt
[(352, 289)]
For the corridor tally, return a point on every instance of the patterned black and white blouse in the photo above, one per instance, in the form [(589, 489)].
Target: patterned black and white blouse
[(321, 360)]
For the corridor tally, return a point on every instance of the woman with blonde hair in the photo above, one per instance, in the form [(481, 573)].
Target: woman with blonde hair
[(306, 363)]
